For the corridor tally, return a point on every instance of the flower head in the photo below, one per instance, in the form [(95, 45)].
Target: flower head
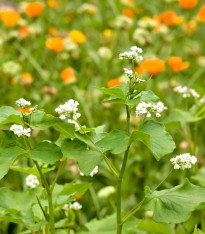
[(114, 82), (133, 54), (73, 206), (183, 161), (201, 14), (20, 131), (153, 66), (55, 43), (10, 17), (34, 9), (188, 4), (186, 91), (68, 75), (177, 64), (32, 181), (23, 103), (77, 37), (148, 108)]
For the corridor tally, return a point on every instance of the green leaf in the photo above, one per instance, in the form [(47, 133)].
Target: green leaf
[(46, 152), (9, 115), (72, 188), (115, 91), (87, 159), (155, 137), (197, 231), (65, 129), (115, 141), (108, 225), (11, 147), (33, 170), (175, 205), (41, 121), (200, 179), (149, 226)]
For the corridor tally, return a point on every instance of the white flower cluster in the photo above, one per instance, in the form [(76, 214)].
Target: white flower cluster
[(186, 91), (92, 173), (147, 108), (32, 181), (183, 161), (133, 55), (20, 131), (74, 206), (131, 75), (23, 103), (69, 111)]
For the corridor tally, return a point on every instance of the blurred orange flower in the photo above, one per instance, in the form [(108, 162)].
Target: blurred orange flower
[(114, 82), (26, 110), (139, 69), (34, 9), (177, 64), (68, 75), (188, 4), (168, 17), (26, 79), (201, 14), (77, 36), (52, 31), (52, 3), (10, 17), (128, 12), (78, 196), (178, 20), (23, 31), (55, 44), (153, 66)]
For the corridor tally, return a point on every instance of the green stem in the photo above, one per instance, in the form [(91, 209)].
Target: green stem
[(49, 193), (119, 181), (57, 174)]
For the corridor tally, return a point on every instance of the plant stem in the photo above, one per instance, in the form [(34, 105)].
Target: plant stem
[(49, 193), (119, 181), (57, 174)]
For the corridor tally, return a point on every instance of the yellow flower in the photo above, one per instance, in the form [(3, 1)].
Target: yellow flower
[(77, 36)]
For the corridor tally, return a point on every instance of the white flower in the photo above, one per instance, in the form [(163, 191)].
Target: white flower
[(147, 108), (186, 91), (133, 55), (20, 131), (75, 206), (68, 110), (77, 126), (128, 72), (23, 103), (92, 173), (183, 161), (32, 181), (105, 53)]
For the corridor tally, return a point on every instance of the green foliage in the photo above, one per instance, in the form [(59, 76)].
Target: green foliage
[(46, 152), (9, 115), (87, 159), (115, 141), (65, 129), (155, 137), (174, 205)]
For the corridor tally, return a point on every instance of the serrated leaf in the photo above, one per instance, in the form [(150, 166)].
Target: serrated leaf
[(87, 159), (115, 141), (9, 115), (175, 205), (155, 137), (11, 147), (46, 152), (41, 121)]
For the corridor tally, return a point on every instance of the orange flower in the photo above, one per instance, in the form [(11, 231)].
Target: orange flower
[(77, 36), (52, 3), (10, 17), (128, 12), (177, 64), (168, 17), (139, 69), (55, 44), (113, 83), (26, 110), (188, 4), (153, 66), (68, 75), (178, 20), (201, 14), (26, 79), (78, 196), (52, 31), (23, 31), (34, 9)]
